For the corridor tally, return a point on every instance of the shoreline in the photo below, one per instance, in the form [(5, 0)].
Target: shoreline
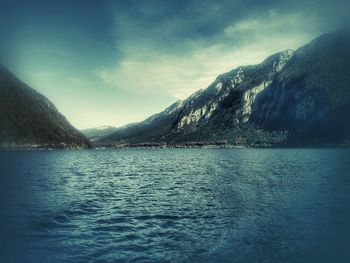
[(180, 146)]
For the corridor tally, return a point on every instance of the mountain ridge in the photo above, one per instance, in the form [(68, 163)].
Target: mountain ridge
[(236, 107), (29, 120), (95, 133)]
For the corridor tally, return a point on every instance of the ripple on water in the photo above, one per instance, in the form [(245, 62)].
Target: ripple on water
[(181, 205)]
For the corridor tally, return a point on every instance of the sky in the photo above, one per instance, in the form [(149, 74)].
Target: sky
[(104, 62)]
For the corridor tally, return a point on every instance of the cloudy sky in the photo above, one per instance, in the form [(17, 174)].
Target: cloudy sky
[(105, 62)]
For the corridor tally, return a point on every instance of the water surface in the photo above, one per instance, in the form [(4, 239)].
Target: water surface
[(176, 205)]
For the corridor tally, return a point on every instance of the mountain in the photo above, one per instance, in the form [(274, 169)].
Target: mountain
[(220, 112), (290, 98), (28, 119), (98, 132), (311, 97), (216, 113)]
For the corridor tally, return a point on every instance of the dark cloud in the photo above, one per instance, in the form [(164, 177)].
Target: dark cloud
[(115, 52), (168, 26), (177, 26), (173, 23)]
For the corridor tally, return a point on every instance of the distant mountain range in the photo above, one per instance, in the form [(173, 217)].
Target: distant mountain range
[(97, 133), (30, 120), (292, 98)]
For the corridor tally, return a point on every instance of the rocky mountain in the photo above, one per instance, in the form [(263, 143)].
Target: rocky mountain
[(28, 119), (98, 132), (310, 98), (217, 113), (289, 98)]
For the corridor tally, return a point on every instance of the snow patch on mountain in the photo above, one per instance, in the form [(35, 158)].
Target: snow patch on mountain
[(249, 98), (192, 117), (103, 128)]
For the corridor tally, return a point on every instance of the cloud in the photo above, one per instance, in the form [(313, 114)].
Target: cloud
[(148, 70), (120, 61)]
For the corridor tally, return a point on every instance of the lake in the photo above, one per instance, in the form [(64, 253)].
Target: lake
[(175, 205)]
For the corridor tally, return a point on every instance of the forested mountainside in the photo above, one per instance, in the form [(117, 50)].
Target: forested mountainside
[(290, 98), (28, 119)]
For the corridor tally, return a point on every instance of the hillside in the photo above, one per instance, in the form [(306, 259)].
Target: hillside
[(28, 119), (292, 97), (98, 132)]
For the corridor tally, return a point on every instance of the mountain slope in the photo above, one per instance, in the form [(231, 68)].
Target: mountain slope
[(311, 96), (98, 132), (216, 113), (28, 118), (291, 97)]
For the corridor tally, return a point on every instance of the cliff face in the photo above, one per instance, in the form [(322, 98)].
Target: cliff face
[(290, 98), (311, 97), (220, 112), (28, 118)]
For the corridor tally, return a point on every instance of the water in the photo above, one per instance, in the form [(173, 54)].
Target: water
[(176, 205)]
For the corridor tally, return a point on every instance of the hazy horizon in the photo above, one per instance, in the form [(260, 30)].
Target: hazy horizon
[(119, 62), (254, 169)]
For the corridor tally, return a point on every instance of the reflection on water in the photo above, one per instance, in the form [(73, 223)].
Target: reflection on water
[(177, 205)]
